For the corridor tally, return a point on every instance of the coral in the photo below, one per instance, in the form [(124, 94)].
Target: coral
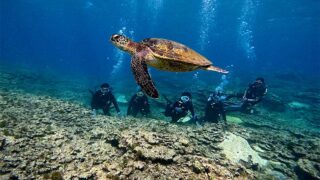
[(3, 124), (6, 132), (308, 169), (198, 167), (156, 153), (56, 176), (238, 149), (2, 143), (58, 135)]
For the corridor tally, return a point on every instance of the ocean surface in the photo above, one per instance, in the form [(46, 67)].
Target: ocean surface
[(53, 52)]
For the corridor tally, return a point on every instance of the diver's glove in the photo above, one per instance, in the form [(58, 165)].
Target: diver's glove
[(94, 113)]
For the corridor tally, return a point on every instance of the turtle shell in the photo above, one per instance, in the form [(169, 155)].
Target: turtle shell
[(170, 50)]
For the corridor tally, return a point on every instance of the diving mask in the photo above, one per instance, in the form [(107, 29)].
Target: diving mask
[(140, 94), (185, 99), (105, 90)]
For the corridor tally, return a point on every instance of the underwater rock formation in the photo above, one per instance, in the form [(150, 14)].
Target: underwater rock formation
[(308, 169), (46, 137), (233, 119), (298, 105), (237, 149), (42, 137), (121, 98)]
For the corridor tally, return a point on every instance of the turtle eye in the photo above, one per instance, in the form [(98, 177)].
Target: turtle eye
[(115, 37)]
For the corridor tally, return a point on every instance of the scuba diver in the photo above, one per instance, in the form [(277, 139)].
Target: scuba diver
[(214, 110), (180, 108), (139, 103), (102, 99), (253, 95)]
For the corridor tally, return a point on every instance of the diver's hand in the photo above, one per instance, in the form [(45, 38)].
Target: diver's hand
[(119, 115), (94, 113), (196, 120), (198, 124)]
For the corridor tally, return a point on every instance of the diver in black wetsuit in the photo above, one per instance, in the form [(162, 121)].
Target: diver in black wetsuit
[(180, 108), (253, 95), (139, 103), (102, 99), (214, 109)]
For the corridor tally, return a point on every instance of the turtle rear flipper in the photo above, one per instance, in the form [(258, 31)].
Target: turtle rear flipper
[(217, 69), (142, 76)]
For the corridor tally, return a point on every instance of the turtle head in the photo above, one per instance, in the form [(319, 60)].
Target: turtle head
[(122, 42)]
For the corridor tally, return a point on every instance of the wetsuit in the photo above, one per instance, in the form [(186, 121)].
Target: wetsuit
[(178, 110), (138, 104), (253, 95), (214, 110), (104, 101)]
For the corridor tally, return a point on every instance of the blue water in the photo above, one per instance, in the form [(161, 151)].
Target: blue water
[(61, 48), (250, 38), (73, 36)]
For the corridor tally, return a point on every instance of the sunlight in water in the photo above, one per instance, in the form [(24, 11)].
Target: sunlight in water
[(245, 29), (154, 7), (207, 14), (88, 4), (118, 54), (224, 81)]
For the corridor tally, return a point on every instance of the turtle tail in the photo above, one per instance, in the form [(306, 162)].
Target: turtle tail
[(214, 68)]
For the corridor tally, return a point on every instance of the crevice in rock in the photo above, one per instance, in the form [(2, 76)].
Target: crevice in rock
[(114, 143), (302, 174)]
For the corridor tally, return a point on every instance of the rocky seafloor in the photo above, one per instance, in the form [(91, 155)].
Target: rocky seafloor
[(42, 137)]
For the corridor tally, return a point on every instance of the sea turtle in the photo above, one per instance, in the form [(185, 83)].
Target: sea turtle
[(162, 54)]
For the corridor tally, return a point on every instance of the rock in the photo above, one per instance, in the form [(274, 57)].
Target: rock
[(257, 148), (139, 165), (184, 141), (121, 98), (127, 171), (298, 105), (150, 138), (2, 142), (234, 120), (56, 175), (273, 103), (156, 153), (87, 175), (198, 167), (237, 148), (308, 169), (310, 95), (299, 152), (137, 149), (186, 118)]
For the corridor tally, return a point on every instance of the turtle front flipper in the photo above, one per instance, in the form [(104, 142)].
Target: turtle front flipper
[(142, 76)]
